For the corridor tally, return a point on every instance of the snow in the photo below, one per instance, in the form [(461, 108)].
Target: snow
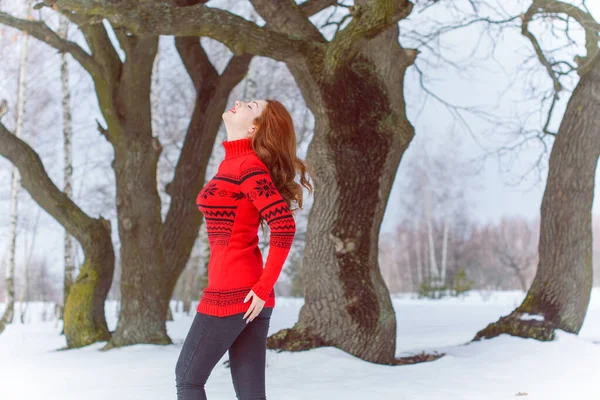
[(526, 317), (501, 368)]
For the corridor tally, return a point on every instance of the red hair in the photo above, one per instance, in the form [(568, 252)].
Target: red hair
[(275, 144)]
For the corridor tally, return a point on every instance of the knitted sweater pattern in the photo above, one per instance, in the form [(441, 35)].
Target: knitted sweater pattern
[(232, 203)]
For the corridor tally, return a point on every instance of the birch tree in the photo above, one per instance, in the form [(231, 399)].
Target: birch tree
[(434, 273), (445, 248), (69, 276), (7, 318)]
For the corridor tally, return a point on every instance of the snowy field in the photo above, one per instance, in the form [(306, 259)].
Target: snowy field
[(501, 368)]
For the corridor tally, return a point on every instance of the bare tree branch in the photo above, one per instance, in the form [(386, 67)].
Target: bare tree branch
[(241, 36), (591, 27), (547, 12), (526, 18), (369, 20), (287, 17), (35, 180), (312, 7), (42, 32), (583, 18), (161, 18), (195, 60), (102, 50), (337, 24)]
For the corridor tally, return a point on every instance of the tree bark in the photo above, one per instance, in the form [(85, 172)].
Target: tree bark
[(354, 156), (560, 292)]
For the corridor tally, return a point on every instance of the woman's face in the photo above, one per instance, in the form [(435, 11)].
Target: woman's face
[(239, 119)]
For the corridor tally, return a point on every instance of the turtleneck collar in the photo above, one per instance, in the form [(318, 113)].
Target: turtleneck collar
[(237, 147)]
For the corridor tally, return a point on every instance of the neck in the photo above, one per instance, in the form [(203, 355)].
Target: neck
[(237, 147)]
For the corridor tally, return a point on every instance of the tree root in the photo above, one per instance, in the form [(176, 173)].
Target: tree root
[(417, 358), (300, 340), (513, 324), (294, 340)]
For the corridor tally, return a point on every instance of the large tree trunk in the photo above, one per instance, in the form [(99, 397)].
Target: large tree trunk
[(354, 156), (144, 298), (560, 292)]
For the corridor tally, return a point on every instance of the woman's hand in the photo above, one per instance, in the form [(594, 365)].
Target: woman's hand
[(255, 308)]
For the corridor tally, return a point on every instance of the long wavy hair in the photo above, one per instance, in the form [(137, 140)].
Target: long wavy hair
[(275, 144)]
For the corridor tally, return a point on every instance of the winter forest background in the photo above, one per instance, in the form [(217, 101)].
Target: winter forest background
[(463, 212)]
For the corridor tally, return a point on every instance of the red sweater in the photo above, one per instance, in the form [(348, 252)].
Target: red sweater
[(232, 201)]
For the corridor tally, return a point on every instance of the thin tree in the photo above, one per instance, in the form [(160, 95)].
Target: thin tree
[(7, 318), (69, 276), (512, 246)]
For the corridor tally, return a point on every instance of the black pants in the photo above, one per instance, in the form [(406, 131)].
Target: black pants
[(207, 341)]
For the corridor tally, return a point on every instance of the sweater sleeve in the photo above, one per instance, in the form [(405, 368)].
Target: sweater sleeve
[(256, 184)]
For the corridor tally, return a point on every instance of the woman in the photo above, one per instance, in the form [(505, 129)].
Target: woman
[(254, 184)]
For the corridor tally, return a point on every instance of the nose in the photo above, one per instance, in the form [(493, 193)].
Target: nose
[(237, 103)]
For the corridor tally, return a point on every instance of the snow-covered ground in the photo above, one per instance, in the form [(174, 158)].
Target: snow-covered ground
[(502, 368)]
